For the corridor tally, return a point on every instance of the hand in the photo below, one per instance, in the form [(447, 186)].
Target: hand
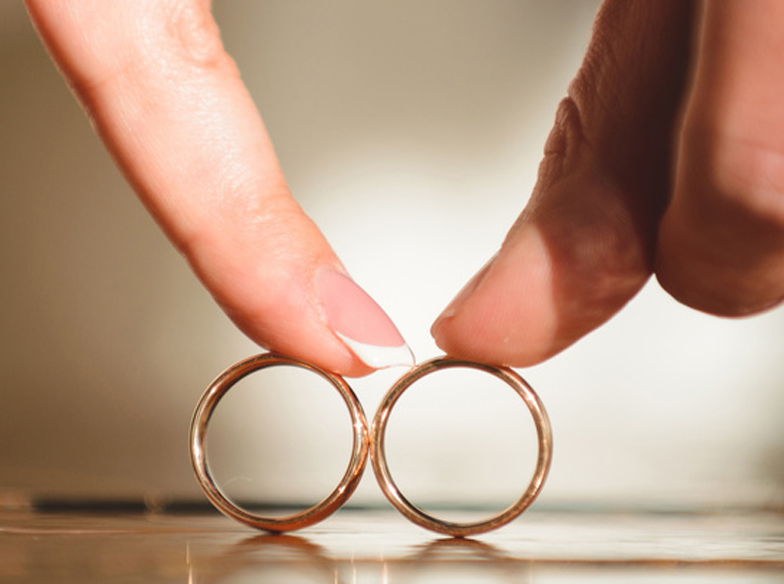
[(170, 106), (667, 157)]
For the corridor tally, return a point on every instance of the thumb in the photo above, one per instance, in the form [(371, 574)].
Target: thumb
[(584, 245)]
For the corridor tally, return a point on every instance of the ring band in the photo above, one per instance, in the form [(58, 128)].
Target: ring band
[(310, 516), (417, 515)]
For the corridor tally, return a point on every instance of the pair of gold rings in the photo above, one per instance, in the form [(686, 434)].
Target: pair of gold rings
[(365, 442)]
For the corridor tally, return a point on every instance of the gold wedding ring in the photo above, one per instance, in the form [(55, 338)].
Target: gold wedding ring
[(364, 443), (310, 516), (417, 515)]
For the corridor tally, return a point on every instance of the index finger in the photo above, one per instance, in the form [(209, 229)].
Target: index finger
[(721, 242), (171, 107)]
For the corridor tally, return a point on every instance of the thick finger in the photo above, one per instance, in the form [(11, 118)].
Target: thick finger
[(170, 105), (584, 244), (721, 247)]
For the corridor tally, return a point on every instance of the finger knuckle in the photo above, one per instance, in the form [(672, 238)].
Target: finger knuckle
[(159, 40), (563, 142), (195, 37)]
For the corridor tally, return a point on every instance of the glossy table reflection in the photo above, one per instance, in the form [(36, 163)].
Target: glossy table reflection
[(357, 546)]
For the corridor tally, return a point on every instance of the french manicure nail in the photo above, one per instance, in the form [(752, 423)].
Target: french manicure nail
[(360, 323)]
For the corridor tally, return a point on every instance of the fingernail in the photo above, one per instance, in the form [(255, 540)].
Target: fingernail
[(360, 323), (467, 290)]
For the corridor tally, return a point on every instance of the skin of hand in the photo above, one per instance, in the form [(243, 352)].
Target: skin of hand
[(171, 108), (665, 157)]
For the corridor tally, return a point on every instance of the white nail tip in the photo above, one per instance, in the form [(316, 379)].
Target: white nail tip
[(379, 357)]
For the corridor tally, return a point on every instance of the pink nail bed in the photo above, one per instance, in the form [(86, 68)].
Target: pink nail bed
[(360, 323)]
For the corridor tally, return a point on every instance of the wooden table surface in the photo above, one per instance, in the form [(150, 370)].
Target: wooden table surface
[(357, 546)]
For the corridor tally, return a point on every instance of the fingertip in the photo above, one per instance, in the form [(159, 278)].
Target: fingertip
[(359, 322), (505, 314), (566, 267), (285, 319), (320, 316)]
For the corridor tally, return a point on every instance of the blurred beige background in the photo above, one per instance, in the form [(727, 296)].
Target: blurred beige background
[(411, 132)]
